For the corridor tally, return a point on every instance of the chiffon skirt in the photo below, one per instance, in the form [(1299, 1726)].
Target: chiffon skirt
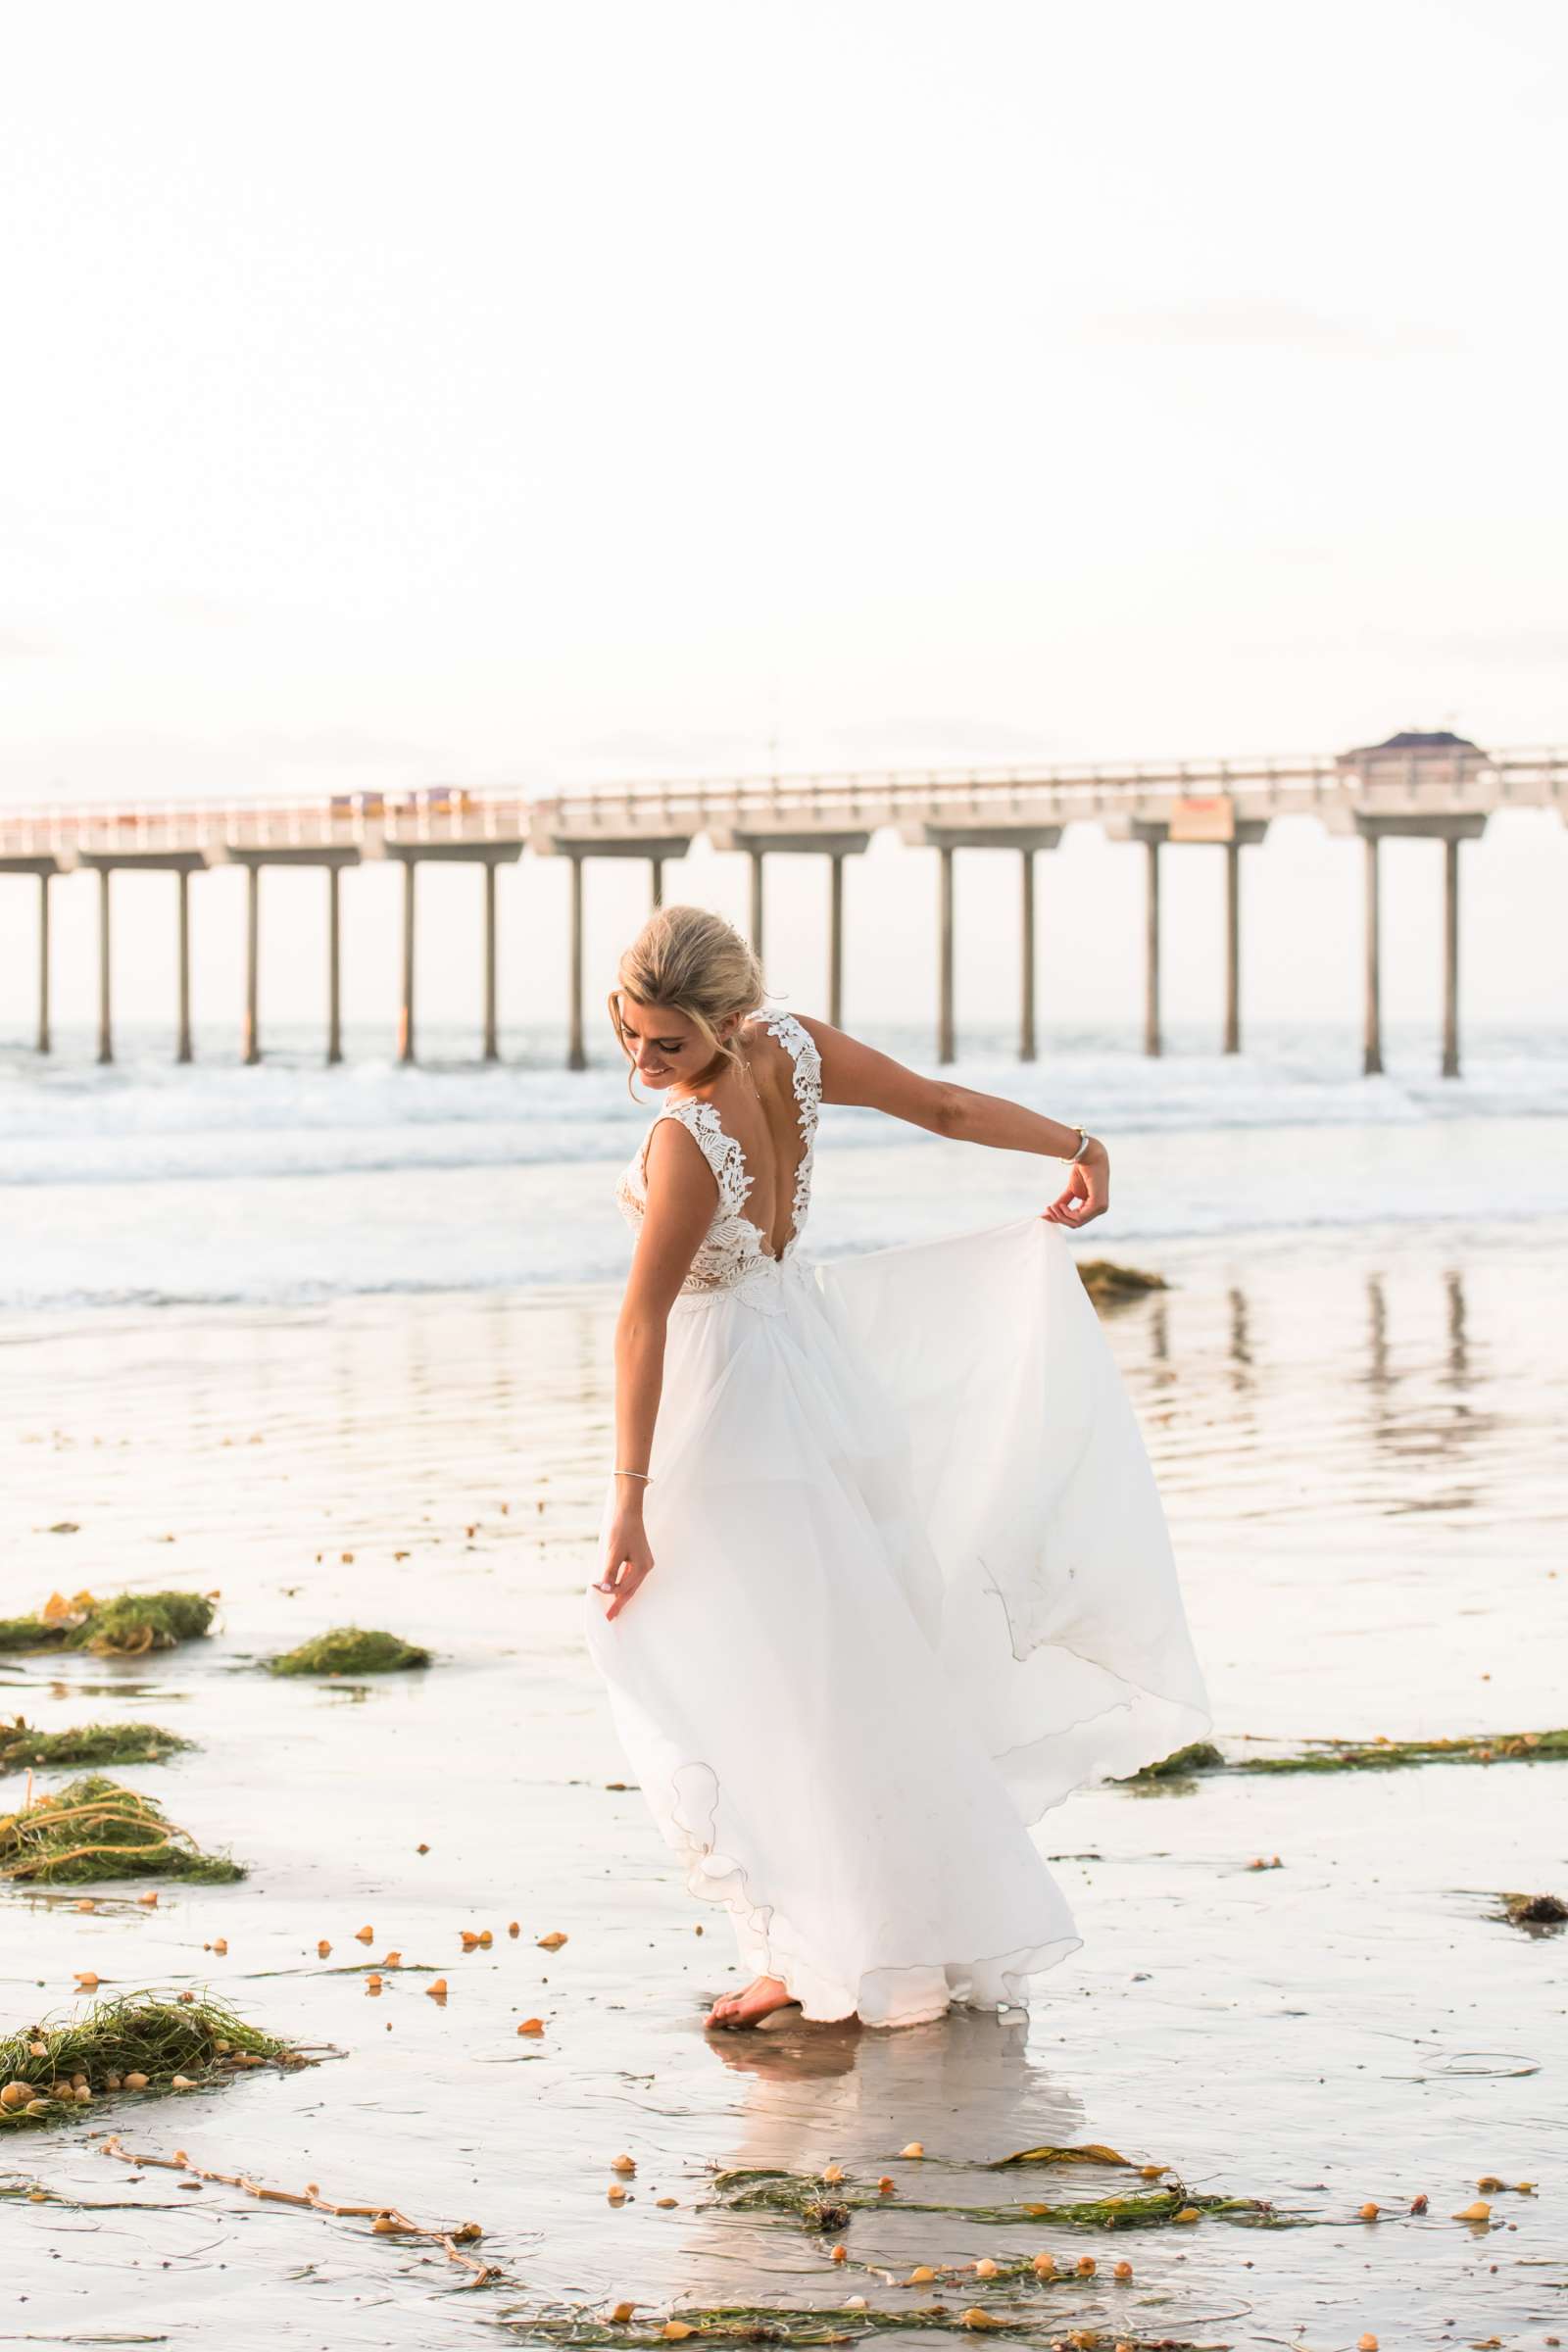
[(911, 1585)]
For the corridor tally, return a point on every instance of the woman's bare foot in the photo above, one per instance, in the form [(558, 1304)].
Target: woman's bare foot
[(762, 1998)]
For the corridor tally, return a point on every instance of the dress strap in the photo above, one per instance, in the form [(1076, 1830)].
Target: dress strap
[(800, 1047)]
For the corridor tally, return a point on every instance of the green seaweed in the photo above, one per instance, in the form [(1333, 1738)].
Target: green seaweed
[(1202, 1757), (1390, 1755), (139, 2034), (125, 1627), (349, 1649), (134, 1622), (823, 2323), (95, 1829), (29, 1632), (801, 2194), (1533, 1910), (1088, 2151), (22, 1744)]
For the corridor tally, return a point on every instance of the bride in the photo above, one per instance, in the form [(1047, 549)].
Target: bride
[(884, 1572)]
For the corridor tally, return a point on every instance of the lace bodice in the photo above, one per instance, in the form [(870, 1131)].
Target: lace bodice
[(733, 1255)]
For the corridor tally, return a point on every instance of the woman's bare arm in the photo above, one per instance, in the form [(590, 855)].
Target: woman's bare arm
[(678, 1210), (853, 1073)]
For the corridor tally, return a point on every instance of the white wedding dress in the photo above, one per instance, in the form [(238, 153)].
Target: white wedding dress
[(911, 1585)]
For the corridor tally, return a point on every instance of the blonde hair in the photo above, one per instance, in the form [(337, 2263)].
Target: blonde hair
[(694, 963)]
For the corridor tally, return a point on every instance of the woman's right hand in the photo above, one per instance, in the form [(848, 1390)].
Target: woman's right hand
[(628, 1559), (1088, 1192)]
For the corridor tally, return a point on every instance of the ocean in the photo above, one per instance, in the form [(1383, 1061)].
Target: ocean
[(148, 1183)]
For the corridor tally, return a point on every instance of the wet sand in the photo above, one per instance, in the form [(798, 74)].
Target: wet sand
[(1359, 1444)]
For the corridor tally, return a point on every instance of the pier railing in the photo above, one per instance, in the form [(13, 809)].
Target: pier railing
[(1262, 787), (355, 821)]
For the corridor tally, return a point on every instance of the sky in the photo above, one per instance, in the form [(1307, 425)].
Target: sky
[(534, 394)]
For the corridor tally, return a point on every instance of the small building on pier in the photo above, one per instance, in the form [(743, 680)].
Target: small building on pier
[(1455, 755)]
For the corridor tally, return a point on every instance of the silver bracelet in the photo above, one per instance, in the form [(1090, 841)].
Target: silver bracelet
[(1084, 1138), (642, 1474)]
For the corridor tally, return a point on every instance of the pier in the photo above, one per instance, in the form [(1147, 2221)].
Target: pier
[(1435, 787)]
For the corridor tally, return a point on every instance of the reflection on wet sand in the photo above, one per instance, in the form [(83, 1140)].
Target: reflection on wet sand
[(1241, 1351), (812, 2096), (969, 2079)]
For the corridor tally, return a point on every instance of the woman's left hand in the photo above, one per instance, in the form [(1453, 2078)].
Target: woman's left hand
[(627, 1560), (1088, 1193)]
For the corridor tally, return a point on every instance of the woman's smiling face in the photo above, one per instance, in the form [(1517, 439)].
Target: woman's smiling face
[(663, 1044)]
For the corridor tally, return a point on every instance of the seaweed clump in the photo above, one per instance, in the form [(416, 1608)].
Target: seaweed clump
[(821, 2323), (22, 1744), (1200, 1756), (805, 2325), (139, 2042), (125, 1627), (95, 1829), (1365, 1755), (349, 1649), (1110, 1285), (1535, 1910), (1388, 1755), (1087, 2151), (800, 2194)]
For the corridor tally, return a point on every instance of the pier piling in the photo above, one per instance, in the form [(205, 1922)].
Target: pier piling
[(42, 868), (945, 1022), (1235, 834), (44, 879), (106, 1020), (946, 839), (251, 1047), (406, 1005), (333, 857), (799, 841), (488, 851), (1026, 956), (1372, 1013), (835, 939), (491, 1039), (1231, 1043), (334, 967), (576, 1058), (551, 839), (757, 856), (183, 1050), (1153, 1041), (1451, 956), (1450, 830), (182, 863)]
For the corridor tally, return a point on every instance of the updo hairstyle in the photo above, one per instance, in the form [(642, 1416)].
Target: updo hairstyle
[(694, 963)]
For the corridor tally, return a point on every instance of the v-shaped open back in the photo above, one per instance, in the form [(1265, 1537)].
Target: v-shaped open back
[(733, 1246)]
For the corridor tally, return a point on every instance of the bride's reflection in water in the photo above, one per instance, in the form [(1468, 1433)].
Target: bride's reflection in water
[(966, 2085)]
